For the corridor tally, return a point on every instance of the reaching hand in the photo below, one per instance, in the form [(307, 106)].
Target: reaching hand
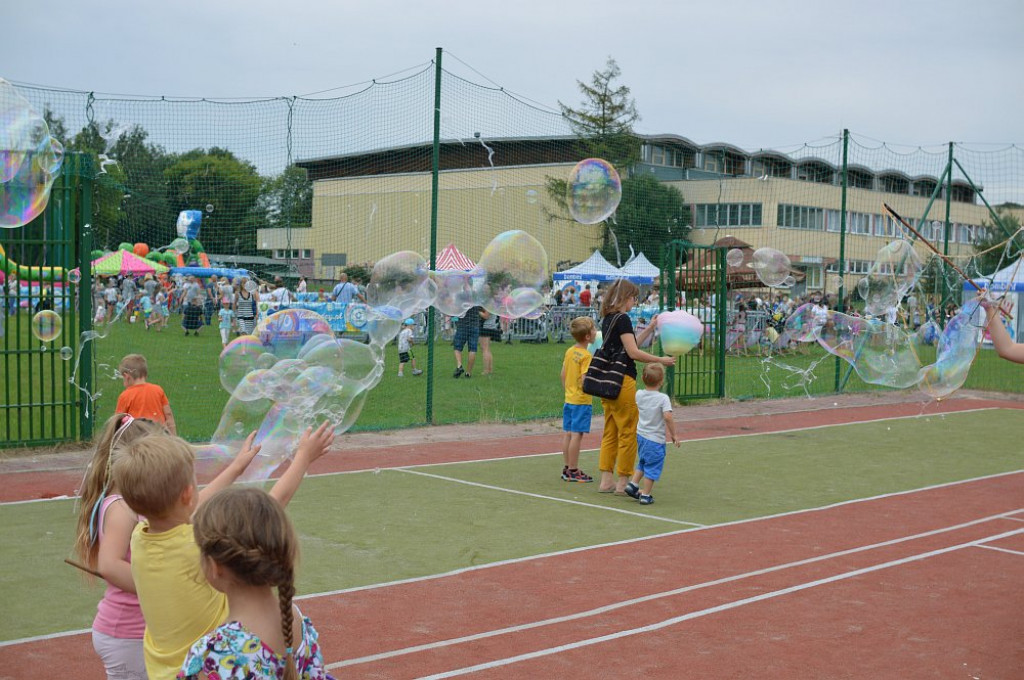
[(315, 443), (248, 451), (668, 361)]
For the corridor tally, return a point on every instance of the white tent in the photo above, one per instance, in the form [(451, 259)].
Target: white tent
[(640, 270), (594, 268)]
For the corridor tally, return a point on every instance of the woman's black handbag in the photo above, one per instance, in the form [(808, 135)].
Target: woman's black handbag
[(607, 369)]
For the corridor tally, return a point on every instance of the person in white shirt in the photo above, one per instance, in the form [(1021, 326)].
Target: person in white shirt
[(655, 421), (405, 349)]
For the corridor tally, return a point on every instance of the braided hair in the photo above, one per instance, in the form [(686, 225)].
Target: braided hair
[(247, 531)]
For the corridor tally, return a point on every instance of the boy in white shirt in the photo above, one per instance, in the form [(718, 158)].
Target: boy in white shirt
[(650, 434), (405, 349)]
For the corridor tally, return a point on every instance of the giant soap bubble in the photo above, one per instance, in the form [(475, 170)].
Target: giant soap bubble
[(47, 325), (292, 373), (516, 274), (458, 291), (594, 191), (892, 275), (957, 348), (29, 159), (401, 280), (771, 266)]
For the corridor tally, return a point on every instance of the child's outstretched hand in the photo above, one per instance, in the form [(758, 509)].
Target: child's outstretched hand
[(315, 443), (248, 451)]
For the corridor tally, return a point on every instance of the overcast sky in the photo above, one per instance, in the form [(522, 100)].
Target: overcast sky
[(756, 74)]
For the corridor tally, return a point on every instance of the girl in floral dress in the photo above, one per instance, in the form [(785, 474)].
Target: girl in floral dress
[(248, 548)]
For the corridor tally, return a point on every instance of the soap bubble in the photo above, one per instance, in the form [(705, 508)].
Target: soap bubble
[(880, 353), (532, 196), (209, 207), (291, 374), (180, 246), (29, 159), (251, 286), (957, 348), (789, 281), (892, 275), (401, 280), (680, 332), (804, 323), (734, 258), (74, 276), (458, 291), (594, 191), (66, 353), (835, 281), (771, 266), (516, 267), (47, 325)]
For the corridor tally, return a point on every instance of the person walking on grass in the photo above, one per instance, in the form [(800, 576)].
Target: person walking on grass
[(467, 334), (653, 428), (405, 356), (578, 407)]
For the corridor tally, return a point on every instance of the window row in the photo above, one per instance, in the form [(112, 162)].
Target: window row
[(727, 215), (868, 224), (304, 254)]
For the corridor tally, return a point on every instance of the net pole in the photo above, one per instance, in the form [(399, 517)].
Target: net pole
[(435, 163)]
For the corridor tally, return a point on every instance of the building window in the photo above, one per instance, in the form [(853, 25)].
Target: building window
[(727, 215), (801, 217), (307, 254)]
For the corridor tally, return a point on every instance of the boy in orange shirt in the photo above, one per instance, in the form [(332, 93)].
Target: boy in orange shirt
[(142, 399)]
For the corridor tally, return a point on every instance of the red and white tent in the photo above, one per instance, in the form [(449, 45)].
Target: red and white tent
[(451, 259)]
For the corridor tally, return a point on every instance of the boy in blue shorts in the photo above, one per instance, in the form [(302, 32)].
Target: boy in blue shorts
[(655, 420), (578, 406)]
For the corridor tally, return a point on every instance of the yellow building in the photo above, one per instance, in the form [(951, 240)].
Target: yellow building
[(369, 205)]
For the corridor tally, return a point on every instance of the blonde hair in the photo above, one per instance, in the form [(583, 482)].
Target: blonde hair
[(247, 531), (133, 365), (618, 296), (581, 327), (120, 431), (654, 375), (153, 473)]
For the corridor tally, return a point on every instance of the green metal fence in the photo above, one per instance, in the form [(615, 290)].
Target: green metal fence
[(41, 400), (313, 186)]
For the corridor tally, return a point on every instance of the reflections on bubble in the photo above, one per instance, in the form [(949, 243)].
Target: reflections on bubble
[(594, 191)]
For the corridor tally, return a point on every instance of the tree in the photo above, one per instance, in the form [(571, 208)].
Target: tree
[(287, 199), (604, 126), (1001, 244), (226, 188), (650, 215)]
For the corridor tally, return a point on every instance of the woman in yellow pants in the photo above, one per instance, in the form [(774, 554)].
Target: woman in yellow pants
[(618, 443)]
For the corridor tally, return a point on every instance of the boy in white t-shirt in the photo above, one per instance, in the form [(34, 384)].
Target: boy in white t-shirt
[(405, 349), (650, 434)]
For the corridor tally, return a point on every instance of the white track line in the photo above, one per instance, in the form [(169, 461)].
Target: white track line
[(656, 596), (498, 663), (547, 498), (558, 453), (1005, 550)]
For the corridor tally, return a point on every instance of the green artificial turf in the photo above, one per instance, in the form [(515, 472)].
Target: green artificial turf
[(372, 527)]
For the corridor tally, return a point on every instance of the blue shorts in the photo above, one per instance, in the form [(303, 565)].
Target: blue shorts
[(466, 336), (650, 458), (576, 417)]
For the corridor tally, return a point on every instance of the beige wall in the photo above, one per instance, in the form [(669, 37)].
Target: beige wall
[(371, 217)]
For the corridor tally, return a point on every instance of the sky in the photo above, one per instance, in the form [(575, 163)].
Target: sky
[(767, 74)]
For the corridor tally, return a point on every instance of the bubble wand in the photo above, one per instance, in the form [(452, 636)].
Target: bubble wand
[(915, 232), (84, 568)]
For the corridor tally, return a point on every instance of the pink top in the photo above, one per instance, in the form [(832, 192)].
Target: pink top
[(118, 614)]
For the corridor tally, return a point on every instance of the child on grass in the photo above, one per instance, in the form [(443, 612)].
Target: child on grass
[(142, 399), (156, 476), (650, 434), (248, 549), (105, 525), (578, 406), (226, 316), (405, 349)]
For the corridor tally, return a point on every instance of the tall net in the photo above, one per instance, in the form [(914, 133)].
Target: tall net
[(291, 193)]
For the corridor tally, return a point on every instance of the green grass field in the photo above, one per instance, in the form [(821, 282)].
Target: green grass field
[(373, 527), (186, 368)]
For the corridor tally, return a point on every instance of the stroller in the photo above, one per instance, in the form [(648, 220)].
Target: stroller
[(192, 319)]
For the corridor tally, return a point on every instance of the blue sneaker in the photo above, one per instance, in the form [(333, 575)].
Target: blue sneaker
[(633, 491), (645, 499)]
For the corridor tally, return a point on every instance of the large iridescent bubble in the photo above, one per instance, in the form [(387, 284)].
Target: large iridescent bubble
[(292, 373), (958, 345), (29, 159), (401, 280), (880, 353), (516, 274), (771, 266), (458, 291), (594, 191), (893, 274)]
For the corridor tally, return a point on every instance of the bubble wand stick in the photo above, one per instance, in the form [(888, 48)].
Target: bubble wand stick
[(915, 232)]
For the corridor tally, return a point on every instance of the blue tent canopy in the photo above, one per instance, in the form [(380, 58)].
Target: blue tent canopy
[(596, 268), (1009, 278)]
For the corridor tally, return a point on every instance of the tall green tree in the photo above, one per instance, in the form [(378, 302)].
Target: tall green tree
[(650, 215), (227, 189), (287, 199), (1002, 243)]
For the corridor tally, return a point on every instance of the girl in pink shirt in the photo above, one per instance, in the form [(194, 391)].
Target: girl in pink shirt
[(105, 527)]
